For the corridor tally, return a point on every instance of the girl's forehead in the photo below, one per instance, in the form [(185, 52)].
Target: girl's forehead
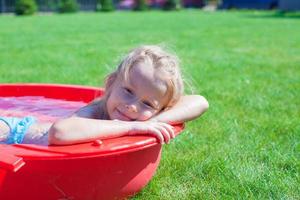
[(143, 79), (145, 76)]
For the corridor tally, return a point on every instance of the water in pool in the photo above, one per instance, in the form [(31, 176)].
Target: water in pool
[(45, 110)]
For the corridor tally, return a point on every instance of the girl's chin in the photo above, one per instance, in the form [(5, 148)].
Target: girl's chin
[(117, 115)]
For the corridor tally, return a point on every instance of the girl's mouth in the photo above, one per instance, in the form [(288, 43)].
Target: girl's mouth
[(124, 116)]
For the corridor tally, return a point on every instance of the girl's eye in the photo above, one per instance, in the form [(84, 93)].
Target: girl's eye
[(128, 91), (147, 104)]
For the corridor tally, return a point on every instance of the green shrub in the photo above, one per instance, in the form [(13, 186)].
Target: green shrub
[(67, 6), (25, 7), (105, 5), (171, 5), (140, 5)]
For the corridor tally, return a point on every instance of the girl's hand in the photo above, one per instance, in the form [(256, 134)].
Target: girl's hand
[(162, 131), (3, 136), (37, 133), (4, 131)]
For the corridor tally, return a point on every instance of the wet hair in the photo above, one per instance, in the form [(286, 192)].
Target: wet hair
[(166, 66)]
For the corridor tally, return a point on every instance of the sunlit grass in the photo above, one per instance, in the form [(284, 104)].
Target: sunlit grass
[(247, 64)]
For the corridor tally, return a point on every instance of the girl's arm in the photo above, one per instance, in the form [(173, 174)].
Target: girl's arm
[(78, 130), (83, 127), (187, 108)]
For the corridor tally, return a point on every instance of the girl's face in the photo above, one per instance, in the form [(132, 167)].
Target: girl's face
[(139, 98)]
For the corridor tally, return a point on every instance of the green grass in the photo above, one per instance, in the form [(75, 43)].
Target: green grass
[(246, 63)]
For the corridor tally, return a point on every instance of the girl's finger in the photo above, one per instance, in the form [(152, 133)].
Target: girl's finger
[(169, 128), (165, 134), (155, 132)]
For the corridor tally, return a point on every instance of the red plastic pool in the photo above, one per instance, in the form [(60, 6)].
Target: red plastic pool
[(115, 169)]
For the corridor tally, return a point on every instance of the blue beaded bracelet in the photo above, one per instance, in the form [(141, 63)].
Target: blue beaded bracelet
[(18, 128)]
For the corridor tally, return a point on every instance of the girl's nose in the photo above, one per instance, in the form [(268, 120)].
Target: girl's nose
[(131, 108)]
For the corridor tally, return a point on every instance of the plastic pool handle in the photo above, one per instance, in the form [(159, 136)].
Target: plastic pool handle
[(11, 162)]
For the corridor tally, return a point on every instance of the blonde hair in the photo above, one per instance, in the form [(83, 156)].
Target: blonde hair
[(166, 68)]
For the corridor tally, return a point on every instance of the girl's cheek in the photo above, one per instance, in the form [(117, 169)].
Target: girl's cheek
[(146, 115), (120, 96)]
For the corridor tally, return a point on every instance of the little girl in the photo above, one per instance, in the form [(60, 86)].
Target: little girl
[(143, 96)]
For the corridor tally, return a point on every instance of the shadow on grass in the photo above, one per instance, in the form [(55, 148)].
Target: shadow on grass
[(274, 15)]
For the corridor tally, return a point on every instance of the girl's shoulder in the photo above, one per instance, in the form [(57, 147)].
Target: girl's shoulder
[(94, 110)]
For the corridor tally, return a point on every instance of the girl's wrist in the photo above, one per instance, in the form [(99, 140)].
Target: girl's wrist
[(154, 119), (127, 126), (132, 127)]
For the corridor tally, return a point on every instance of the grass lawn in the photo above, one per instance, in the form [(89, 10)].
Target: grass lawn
[(247, 64)]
